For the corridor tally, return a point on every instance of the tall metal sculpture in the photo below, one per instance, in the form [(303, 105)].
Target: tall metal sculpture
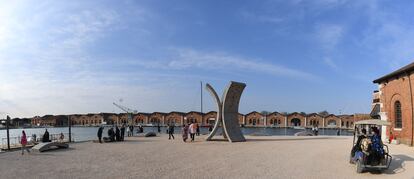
[(228, 112)]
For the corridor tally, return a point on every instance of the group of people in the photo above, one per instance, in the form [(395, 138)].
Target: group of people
[(118, 133), (370, 145), (193, 129), (24, 140), (315, 130)]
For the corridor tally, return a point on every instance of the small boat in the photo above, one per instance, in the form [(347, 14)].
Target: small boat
[(298, 127)]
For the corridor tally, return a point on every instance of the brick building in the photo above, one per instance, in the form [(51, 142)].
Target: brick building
[(254, 118), (394, 102)]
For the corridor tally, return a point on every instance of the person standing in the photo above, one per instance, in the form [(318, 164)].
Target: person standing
[(111, 134), (316, 130), (210, 127), (117, 134), (132, 130), (45, 136), (170, 131), (197, 129), (128, 130), (23, 141), (184, 132), (313, 130), (61, 137), (192, 131), (100, 130), (122, 132)]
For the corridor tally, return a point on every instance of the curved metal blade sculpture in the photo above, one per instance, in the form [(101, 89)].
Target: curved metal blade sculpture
[(228, 112)]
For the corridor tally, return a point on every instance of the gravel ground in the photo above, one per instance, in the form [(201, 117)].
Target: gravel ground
[(158, 157)]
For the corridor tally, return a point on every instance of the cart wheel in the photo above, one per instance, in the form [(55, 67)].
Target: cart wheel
[(359, 166)]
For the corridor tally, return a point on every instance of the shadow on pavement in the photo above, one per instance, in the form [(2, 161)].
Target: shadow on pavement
[(398, 164)]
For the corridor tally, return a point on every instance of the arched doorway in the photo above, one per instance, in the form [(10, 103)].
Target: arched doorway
[(295, 122)]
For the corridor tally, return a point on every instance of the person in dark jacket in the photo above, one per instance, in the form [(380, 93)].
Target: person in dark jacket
[(197, 129), (111, 134), (46, 137), (100, 130), (122, 132), (117, 134), (171, 131)]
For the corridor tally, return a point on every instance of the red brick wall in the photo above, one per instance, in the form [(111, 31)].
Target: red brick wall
[(297, 116), (174, 118), (273, 119), (314, 120), (254, 116), (197, 117), (332, 118), (155, 118), (398, 89), (140, 119), (208, 116)]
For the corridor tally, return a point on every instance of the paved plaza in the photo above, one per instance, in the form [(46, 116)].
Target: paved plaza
[(158, 157)]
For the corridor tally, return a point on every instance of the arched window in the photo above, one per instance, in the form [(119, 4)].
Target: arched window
[(398, 115)]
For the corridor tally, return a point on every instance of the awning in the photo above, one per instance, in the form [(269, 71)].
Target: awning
[(375, 111)]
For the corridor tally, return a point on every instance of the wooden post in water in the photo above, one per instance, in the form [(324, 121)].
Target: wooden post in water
[(8, 135)]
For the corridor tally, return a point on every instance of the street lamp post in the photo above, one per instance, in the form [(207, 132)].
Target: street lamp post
[(8, 135)]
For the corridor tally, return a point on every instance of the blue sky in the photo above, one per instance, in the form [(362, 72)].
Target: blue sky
[(64, 57)]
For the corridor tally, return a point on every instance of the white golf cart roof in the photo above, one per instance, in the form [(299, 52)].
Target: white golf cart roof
[(373, 122)]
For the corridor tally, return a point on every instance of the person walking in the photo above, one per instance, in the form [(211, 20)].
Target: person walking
[(192, 131), (132, 130), (184, 132), (171, 131), (23, 141), (100, 130), (128, 130)]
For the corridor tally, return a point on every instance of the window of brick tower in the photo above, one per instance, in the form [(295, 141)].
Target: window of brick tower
[(398, 115)]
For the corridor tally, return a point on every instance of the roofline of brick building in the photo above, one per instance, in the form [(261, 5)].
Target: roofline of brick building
[(406, 69)]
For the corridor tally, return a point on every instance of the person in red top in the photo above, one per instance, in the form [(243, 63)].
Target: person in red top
[(23, 141)]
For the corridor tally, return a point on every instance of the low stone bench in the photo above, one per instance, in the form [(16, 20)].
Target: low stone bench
[(44, 146)]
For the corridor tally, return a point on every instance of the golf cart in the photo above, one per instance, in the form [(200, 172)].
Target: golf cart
[(362, 153)]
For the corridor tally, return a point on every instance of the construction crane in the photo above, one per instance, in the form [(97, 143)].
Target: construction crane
[(127, 110)]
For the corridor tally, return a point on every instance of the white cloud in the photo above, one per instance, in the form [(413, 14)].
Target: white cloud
[(328, 61), (190, 58), (329, 35)]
